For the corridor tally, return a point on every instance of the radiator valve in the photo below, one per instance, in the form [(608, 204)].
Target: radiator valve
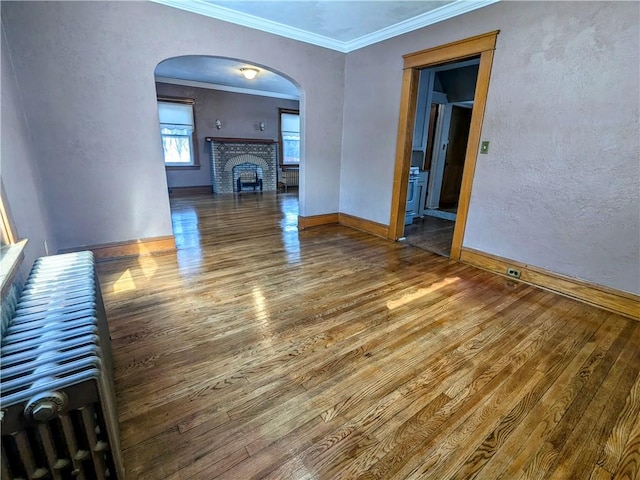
[(45, 406)]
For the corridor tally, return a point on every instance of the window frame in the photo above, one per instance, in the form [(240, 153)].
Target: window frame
[(195, 154), (12, 247), (281, 140)]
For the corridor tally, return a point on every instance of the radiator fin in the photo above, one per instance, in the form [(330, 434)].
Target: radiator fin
[(55, 464), (96, 446), (59, 418)]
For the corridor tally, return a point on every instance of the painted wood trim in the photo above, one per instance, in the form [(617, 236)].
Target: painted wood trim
[(404, 146), (452, 51), (7, 227), (369, 226), (131, 248), (178, 168), (471, 156), (617, 301), (316, 220), (239, 140), (10, 264), (186, 191)]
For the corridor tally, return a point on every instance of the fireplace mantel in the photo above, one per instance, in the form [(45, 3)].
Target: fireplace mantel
[(239, 140)]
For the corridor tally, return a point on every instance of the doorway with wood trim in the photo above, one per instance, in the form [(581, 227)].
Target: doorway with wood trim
[(479, 49), (441, 132)]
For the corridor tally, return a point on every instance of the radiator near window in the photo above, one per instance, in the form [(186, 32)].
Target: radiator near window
[(59, 416)]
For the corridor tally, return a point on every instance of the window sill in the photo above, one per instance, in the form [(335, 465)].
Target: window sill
[(10, 260), (182, 167)]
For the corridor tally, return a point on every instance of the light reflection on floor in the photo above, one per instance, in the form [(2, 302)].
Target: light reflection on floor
[(289, 226), (187, 237), (188, 226)]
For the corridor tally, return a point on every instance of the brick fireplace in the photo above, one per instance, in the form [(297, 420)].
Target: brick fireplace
[(231, 156)]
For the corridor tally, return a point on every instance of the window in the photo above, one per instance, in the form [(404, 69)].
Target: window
[(289, 137), (178, 130)]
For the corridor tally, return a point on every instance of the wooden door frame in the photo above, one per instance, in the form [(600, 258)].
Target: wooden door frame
[(482, 45)]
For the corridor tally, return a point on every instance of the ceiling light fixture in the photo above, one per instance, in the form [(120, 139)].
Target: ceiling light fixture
[(249, 73)]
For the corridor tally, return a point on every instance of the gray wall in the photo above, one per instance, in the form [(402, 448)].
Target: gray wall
[(86, 74), (20, 175), (240, 115), (560, 186)]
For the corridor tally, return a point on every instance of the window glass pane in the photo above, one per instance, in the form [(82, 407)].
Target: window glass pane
[(291, 147), (177, 148), (290, 136)]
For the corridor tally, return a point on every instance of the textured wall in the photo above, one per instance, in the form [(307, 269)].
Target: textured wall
[(19, 171), (240, 116), (560, 186), (85, 70)]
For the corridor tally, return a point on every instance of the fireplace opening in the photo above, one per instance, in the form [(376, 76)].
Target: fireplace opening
[(247, 176)]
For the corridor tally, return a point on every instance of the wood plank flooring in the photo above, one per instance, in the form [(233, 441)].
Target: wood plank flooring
[(260, 352), (431, 233)]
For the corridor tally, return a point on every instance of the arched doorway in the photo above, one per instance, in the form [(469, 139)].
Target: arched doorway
[(201, 98)]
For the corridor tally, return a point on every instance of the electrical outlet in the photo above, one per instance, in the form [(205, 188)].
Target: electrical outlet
[(513, 272), (484, 147)]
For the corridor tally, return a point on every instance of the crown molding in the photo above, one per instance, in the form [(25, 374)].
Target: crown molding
[(251, 21), (458, 7), (225, 88)]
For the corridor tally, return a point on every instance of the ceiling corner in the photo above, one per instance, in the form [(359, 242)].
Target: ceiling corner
[(459, 7)]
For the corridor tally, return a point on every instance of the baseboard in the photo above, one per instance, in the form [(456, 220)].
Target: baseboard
[(131, 248), (369, 226), (616, 301), (187, 191), (431, 212), (345, 219), (316, 220)]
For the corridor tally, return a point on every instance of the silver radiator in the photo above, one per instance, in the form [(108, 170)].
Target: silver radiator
[(290, 177), (59, 416)]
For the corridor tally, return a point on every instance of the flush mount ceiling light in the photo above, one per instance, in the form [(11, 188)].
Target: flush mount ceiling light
[(249, 73)]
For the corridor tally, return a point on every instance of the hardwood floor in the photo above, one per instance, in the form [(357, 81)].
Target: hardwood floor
[(431, 233), (258, 351)]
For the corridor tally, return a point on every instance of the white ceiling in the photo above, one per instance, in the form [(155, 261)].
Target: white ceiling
[(223, 74), (336, 24), (343, 25)]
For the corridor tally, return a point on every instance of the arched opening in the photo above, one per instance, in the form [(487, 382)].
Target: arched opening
[(225, 144), (202, 98)]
